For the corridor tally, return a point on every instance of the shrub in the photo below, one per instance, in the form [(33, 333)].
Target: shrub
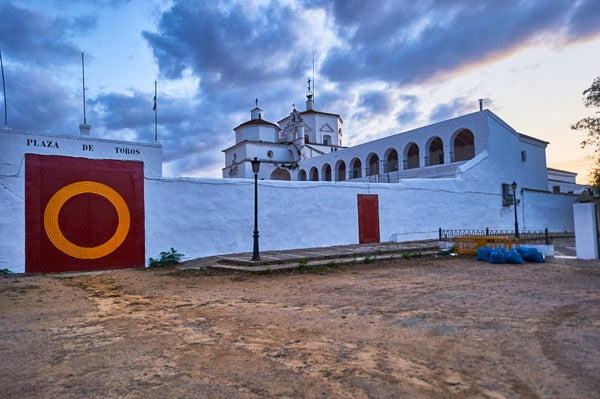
[(166, 259)]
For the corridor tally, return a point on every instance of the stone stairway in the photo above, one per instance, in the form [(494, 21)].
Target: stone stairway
[(314, 257)]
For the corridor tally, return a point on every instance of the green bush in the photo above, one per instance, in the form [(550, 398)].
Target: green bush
[(166, 259)]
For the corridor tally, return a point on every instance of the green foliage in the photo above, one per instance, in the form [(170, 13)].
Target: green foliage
[(368, 259), (592, 126), (5, 271), (166, 259), (303, 262)]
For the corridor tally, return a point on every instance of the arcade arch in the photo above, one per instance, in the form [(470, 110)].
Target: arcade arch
[(463, 145), (314, 174), (435, 152), (280, 174), (411, 156), (373, 162), (355, 168), (326, 172), (302, 175), (391, 161), (340, 171)]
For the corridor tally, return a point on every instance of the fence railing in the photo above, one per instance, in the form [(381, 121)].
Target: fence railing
[(530, 236)]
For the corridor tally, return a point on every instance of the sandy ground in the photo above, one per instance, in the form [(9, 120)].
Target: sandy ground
[(419, 328)]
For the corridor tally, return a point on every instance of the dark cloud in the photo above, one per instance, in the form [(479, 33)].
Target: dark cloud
[(44, 106), (408, 113), (411, 43), (135, 110), (458, 106), (35, 38), (191, 135), (228, 45), (365, 24), (375, 101)]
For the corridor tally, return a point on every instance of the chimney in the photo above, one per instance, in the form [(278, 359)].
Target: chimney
[(84, 130), (481, 104)]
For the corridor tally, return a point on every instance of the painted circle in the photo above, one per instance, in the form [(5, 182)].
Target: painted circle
[(56, 236)]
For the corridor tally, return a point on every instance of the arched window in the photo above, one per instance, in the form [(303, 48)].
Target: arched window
[(326, 172), (314, 174), (355, 168), (302, 175), (373, 162), (280, 174), (436, 152), (340, 171), (391, 161), (411, 156), (464, 146)]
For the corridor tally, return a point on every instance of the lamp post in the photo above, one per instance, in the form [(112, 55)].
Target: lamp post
[(255, 168), (514, 190)]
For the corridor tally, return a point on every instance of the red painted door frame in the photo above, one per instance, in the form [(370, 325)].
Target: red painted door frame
[(368, 218)]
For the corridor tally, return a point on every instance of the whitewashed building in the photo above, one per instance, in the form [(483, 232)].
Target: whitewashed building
[(307, 146), (283, 147), (563, 181)]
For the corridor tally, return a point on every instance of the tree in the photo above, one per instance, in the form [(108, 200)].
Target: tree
[(592, 125)]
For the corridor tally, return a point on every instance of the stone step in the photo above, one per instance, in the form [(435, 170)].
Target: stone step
[(306, 256), (265, 267)]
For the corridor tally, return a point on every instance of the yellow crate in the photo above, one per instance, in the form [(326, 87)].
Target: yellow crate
[(467, 245)]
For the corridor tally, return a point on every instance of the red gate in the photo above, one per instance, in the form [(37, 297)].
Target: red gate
[(83, 214), (368, 218)]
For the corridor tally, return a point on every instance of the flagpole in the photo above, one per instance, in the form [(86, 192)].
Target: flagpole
[(314, 91), (155, 116), (3, 90), (83, 84)]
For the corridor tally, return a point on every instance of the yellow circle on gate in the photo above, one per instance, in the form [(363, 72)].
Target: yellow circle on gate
[(61, 242)]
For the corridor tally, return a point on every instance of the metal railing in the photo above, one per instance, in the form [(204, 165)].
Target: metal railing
[(530, 236)]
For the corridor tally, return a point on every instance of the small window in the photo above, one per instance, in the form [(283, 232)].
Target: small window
[(507, 195), (523, 156), (270, 154), (556, 189), (306, 140)]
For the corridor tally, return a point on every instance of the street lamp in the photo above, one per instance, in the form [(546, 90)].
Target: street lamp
[(514, 190), (255, 168)]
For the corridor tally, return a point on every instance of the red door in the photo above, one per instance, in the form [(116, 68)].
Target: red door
[(83, 214), (368, 218)]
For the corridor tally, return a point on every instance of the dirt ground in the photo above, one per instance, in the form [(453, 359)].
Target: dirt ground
[(419, 328)]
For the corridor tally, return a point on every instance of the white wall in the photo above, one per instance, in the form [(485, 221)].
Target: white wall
[(202, 217), (586, 230), (16, 143), (215, 216)]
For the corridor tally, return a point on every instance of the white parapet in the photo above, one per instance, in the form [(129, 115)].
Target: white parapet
[(586, 230)]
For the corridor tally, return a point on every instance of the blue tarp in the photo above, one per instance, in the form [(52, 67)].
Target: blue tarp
[(514, 257), (531, 254), (497, 256), (483, 253)]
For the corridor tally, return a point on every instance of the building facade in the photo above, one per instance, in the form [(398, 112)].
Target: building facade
[(307, 146)]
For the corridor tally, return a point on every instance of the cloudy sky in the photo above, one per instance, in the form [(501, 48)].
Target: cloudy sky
[(384, 66)]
